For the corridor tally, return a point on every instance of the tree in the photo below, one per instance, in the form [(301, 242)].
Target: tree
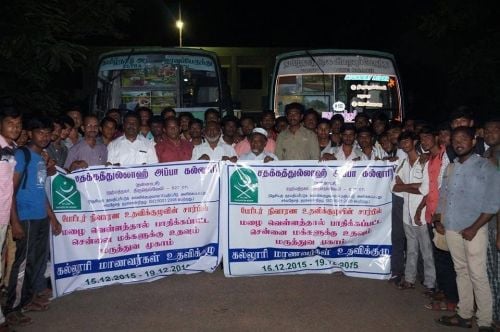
[(41, 39)]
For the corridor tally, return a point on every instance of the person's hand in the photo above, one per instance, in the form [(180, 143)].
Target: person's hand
[(356, 159), (417, 219), (45, 155), (439, 227), (17, 231), (51, 167), (468, 233), (56, 228), (233, 159), (268, 159), (328, 156), (398, 180), (204, 157), (78, 164), (424, 157)]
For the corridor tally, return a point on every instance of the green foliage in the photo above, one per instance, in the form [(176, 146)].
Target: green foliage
[(43, 38)]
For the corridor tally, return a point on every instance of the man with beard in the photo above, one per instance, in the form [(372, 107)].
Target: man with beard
[(463, 117), (30, 218), (131, 148), (258, 141), (213, 148), (243, 147), (87, 152), (468, 200)]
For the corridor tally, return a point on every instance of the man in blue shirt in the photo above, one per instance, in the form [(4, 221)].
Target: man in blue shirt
[(469, 197), (30, 219)]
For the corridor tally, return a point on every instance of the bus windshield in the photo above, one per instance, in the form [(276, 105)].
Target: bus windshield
[(336, 83), (186, 82)]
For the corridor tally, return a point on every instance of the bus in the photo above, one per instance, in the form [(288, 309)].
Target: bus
[(333, 81), (188, 80)]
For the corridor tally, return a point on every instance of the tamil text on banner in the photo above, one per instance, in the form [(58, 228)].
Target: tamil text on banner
[(130, 224), (307, 217)]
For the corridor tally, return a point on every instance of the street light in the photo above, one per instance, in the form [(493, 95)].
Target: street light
[(179, 24)]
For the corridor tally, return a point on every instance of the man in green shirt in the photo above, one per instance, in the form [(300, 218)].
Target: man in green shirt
[(296, 142)]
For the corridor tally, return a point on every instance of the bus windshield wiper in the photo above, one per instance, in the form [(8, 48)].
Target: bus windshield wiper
[(322, 72)]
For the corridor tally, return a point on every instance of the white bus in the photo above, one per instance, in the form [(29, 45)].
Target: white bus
[(335, 81), (188, 80)]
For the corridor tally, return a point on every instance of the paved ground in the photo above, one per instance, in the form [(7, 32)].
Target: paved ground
[(211, 302)]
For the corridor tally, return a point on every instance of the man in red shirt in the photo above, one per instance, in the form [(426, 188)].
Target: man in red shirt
[(173, 148)]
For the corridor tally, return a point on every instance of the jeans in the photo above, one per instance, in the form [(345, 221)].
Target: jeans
[(30, 256)]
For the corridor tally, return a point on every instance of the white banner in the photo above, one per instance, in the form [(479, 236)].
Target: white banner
[(336, 64), (129, 224), (141, 61), (307, 217)]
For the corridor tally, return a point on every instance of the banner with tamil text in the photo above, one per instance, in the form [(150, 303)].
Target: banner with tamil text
[(307, 217), (130, 224)]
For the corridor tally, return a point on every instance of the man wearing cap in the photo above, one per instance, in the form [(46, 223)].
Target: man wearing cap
[(247, 127), (258, 140), (296, 142)]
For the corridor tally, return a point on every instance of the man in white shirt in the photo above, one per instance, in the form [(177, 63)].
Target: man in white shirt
[(412, 180), (131, 148), (258, 140), (348, 150), (214, 148)]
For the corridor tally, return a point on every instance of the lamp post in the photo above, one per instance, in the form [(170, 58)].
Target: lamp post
[(179, 24)]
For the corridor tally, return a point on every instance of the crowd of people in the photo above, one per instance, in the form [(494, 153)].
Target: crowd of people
[(447, 186)]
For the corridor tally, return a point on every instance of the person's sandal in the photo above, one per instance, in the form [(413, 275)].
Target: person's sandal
[(437, 306), (17, 318), (406, 285), (429, 292), (455, 321), (35, 306), (46, 293), (40, 300)]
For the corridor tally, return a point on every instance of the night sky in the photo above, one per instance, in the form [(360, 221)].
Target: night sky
[(389, 26), (314, 24)]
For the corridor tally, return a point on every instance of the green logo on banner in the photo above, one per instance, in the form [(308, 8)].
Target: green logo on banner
[(244, 186), (65, 196)]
